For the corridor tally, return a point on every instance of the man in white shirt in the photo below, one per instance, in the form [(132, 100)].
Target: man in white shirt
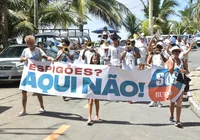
[(129, 56), (103, 51), (142, 46), (114, 53), (157, 60)]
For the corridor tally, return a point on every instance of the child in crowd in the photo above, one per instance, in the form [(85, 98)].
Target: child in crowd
[(95, 59)]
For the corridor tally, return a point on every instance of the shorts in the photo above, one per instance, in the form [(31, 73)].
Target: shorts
[(141, 61)]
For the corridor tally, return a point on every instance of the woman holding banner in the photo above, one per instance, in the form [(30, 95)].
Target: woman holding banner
[(36, 54), (174, 62)]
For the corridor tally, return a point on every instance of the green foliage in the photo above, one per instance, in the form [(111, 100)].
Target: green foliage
[(131, 24), (162, 9)]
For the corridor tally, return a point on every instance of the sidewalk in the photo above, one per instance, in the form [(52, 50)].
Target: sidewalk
[(194, 100)]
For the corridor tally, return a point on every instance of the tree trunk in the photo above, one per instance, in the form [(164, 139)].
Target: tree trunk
[(4, 22)]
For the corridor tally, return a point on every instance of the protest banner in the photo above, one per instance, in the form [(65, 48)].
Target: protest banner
[(99, 82)]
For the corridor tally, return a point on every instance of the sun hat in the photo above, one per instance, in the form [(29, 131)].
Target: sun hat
[(175, 48), (160, 44)]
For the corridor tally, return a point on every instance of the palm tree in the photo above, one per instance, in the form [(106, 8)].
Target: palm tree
[(21, 16), (131, 24), (189, 18), (110, 11), (178, 27), (4, 21), (161, 11)]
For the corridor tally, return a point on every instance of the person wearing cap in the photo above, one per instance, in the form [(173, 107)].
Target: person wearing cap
[(32, 53), (157, 60), (174, 62), (114, 53)]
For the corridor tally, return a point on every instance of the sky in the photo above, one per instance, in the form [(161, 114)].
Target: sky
[(136, 7)]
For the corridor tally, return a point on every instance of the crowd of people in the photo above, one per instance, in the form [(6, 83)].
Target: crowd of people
[(137, 54)]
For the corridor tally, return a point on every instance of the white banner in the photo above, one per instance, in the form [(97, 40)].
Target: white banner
[(96, 81)]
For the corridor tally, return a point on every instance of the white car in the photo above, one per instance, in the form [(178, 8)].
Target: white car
[(10, 67), (197, 38)]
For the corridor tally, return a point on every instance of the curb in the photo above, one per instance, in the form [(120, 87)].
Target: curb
[(194, 107)]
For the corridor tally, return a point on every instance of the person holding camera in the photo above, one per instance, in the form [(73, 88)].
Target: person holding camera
[(157, 60), (129, 56)]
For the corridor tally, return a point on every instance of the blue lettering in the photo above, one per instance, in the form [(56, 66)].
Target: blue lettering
[(30, 80), (96, 89), (41, 85), (73, 84), (111, 83), (63, 88), (126, 93)]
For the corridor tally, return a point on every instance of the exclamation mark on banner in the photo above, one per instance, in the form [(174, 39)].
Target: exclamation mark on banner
[(141, 87)]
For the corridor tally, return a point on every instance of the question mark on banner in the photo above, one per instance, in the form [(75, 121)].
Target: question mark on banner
[(98, 71)]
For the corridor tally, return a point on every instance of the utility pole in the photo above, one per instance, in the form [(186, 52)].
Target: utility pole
[(151, 17), (36, 14)]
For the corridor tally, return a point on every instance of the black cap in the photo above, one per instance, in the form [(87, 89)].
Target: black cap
[(114, 38)]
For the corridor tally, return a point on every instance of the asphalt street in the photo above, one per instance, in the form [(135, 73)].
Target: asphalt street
[(66, 120)]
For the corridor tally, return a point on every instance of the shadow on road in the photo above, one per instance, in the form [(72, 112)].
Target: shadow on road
[(191, 124), (77, 117), (62, 115), (9, 85), (194, 89), (4, 108)]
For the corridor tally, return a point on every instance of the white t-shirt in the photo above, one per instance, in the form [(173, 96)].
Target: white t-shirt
[(142, 47), (88, 56), (81, 55), (184, 48), (157, 61), (35, 54), (103, 53), (129, 61), (115, 53)]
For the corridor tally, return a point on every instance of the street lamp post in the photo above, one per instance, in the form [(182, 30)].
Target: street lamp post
[(151, 17)]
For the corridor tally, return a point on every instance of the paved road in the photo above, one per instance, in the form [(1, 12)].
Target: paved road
[(120, 120)]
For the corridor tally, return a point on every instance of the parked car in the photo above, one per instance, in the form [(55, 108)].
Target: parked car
[(197, 37), (10, 66)]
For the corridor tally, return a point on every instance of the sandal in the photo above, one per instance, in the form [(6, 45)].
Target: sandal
[(89, 122), (42, 110), (22, 114)]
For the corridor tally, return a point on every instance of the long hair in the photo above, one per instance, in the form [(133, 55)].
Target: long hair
[(98, 58)]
